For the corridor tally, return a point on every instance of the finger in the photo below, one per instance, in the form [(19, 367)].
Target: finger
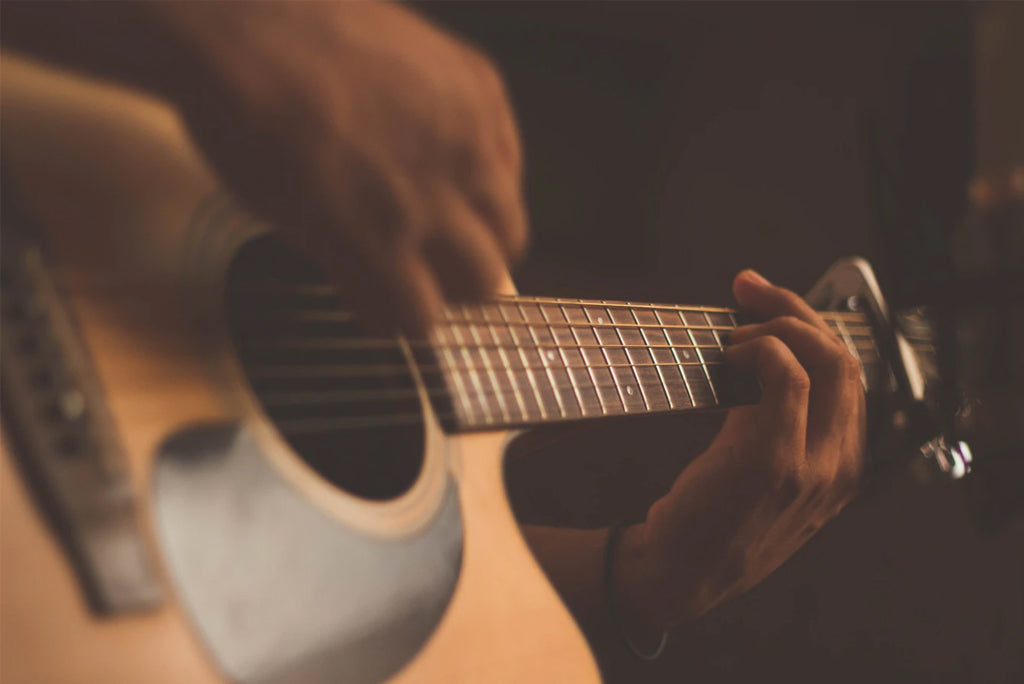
[(834, 373), (782, 412), (765, 300), (500, 205), (500, 116), (387, 293), (493, 188), (464, 254), (411, 290)]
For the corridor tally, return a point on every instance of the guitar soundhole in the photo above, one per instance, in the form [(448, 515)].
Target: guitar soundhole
[(346, 403)]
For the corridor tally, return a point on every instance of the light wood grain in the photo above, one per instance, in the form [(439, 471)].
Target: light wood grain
[(114, 181)]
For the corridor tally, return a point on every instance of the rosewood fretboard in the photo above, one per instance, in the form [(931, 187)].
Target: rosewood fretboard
[(527, 360)]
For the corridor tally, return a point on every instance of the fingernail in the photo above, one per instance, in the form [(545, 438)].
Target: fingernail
[(752, 276)]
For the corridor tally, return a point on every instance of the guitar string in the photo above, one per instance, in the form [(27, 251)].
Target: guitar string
[(323, 342), (857, 333), (705, 399), (314, 425), (308, 397), (360, 370), (329, 291), (480, 398), (331, 315)]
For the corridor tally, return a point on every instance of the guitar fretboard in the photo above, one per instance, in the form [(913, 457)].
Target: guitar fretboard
[(527, 360)]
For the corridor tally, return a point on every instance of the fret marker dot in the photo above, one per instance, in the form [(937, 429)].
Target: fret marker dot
[(629, 390), (600, 319), (551, 355), (686, 354)]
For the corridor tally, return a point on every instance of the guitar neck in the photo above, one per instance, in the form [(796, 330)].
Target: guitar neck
[(528, 360)]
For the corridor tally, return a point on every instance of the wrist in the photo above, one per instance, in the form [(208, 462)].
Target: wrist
[(634, 592)]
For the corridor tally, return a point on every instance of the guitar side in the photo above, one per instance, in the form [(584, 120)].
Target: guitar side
[(126, 183)]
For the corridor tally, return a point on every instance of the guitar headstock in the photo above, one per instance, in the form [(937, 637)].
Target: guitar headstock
[(906, 400)]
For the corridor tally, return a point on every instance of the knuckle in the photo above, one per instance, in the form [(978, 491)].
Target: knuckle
[(789, 299), (848, 476), (841, 365), (788, 322), (850, 367), (790, 375), (819, 485), (788, 483), (772, 347), (796, 380)]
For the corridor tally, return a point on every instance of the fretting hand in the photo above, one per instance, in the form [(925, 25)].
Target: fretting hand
[(772, 477)]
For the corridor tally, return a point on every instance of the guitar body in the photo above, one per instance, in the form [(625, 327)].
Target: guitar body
[(267, 572)]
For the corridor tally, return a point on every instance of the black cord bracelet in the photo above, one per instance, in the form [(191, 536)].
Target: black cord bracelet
[(614, 532)]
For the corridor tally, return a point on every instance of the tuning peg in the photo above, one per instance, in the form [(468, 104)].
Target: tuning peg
[(951, 459)]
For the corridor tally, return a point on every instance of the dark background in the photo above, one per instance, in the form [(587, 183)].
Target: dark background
[(668, 146)]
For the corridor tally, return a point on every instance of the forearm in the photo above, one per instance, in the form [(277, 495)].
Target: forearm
[(574, 561)]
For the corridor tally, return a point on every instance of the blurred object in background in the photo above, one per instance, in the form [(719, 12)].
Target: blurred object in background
[(983, 321), (989, 249), (956, 249)]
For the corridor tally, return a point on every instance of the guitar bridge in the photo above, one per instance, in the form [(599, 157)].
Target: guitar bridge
[(56, 423)]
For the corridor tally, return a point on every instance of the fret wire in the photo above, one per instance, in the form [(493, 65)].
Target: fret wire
[(604, 354), (568, 366), (526, 362), (661, 375), (636, 373), (484, 410), (520, 352), (553, 356), (700, 355), (509, 371), (605, 409), (679, 363), (609, 385), (489, 370), (544, 361), (476, 375), (721, 348), (471, 402)]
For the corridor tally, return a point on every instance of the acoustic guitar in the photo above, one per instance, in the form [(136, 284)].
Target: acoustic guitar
[(210, 474)]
